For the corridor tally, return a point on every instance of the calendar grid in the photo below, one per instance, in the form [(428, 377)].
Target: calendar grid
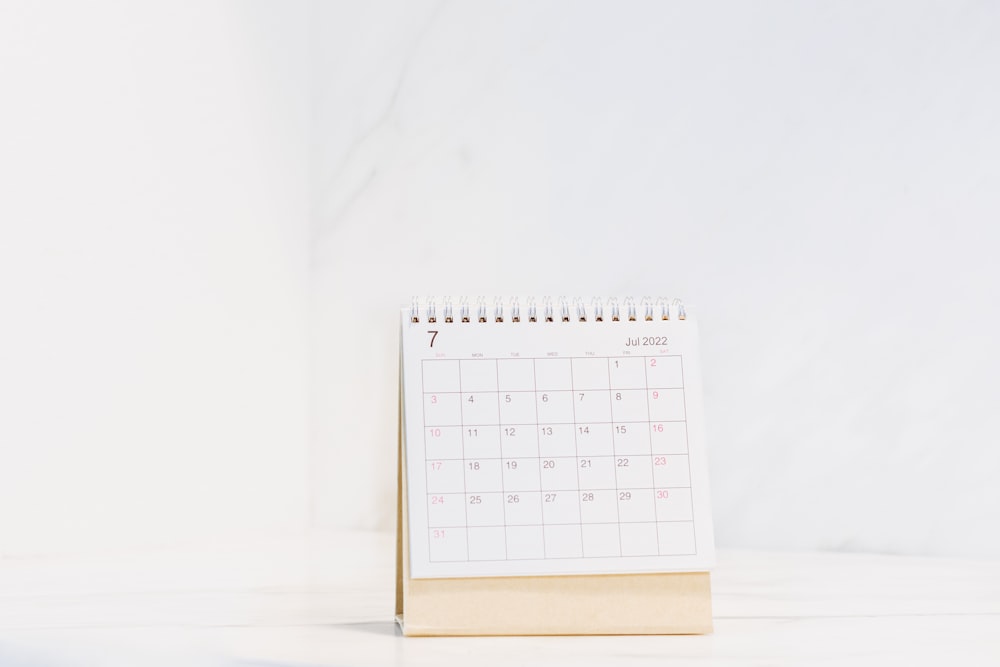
[(618, 511), (593, 423), (503, 491), (600, 456), (541, 485), (576, 445), (537, 525), (687, 447), (513, 449), (423, 409), (585, 557), (656, 511), (589, 488), (465, 481)]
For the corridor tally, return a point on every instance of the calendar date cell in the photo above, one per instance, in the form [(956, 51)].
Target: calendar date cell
[(673, 504), (639, 539), (517, 407), (599, 506), (480, 408), (516, 375), (441, 375), (634, 471), (601, 540), (671, 471), (636, 505), (629, 405), (668, 437), (553, 374), (479, 375), (444, 442), (596, 472), (556, 440), (484, 509), (521, 474), (591, 373), (559, 473), (448, 544), (561, 507), (627, 373), (483, 475), (676, 538), (666, 405), (523, 507), (555, 407), (525, 542), (518, 440), (442, 409), (631, 439), (591, 405), (445, 509), (481, 441), (563, 541), (445, 476), (595, 439), (664, 372), (487, 543)]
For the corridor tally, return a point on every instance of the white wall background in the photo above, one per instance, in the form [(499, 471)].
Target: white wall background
[(821, 181), (184, 185), (153, 272)]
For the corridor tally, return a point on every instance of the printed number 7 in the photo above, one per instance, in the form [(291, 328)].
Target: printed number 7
[(434, 334)]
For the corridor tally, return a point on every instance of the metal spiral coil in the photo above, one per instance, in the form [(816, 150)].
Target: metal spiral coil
[(545, 309)]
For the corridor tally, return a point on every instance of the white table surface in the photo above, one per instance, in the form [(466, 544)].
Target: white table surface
[(327, 600)]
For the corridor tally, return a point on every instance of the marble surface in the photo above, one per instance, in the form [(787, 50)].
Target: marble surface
[(327, 600)]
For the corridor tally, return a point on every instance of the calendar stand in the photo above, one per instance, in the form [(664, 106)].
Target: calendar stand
[(616, 604)]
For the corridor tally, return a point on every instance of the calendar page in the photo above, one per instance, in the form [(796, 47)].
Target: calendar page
[(565, 441)]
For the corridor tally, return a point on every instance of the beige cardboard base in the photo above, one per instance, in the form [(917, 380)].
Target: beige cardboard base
[(619, 604), (640, 604)]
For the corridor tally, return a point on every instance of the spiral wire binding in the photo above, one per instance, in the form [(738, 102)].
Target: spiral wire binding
[(546, 309)]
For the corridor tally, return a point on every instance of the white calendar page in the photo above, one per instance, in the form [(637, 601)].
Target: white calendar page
[(549, 448)]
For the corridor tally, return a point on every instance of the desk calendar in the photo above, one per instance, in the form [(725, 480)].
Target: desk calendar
[(549, 445)]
